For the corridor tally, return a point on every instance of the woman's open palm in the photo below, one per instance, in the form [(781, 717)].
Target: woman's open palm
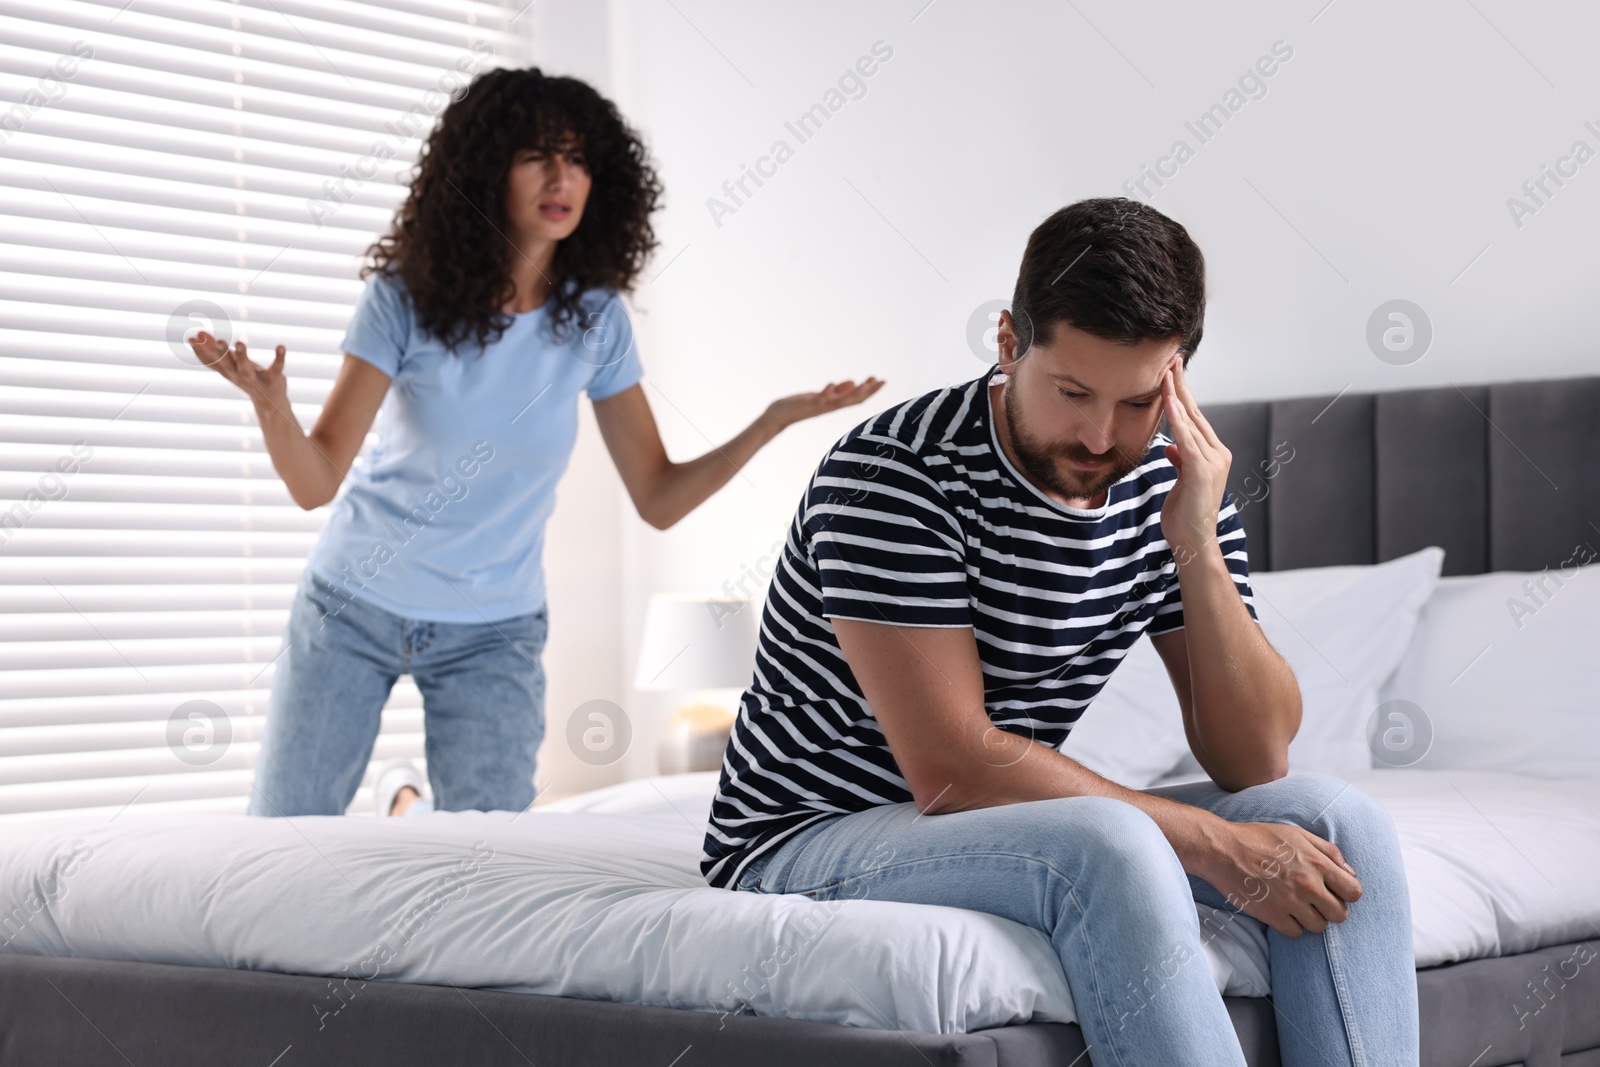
[(260, 383), (789, 410)]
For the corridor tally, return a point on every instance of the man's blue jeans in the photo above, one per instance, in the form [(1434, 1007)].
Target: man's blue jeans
[(483, 704), (1097, 876)]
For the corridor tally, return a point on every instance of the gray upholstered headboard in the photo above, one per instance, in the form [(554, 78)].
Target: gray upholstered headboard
[(1502, 477)]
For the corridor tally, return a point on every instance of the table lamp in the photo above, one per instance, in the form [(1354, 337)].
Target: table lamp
[(697, 644)]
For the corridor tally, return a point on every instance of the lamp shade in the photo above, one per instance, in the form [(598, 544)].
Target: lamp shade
[(697, 643)]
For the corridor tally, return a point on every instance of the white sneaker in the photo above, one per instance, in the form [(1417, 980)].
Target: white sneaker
[(390, 778)]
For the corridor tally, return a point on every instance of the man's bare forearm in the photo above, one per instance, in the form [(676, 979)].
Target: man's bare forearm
[(1246, 702), (1005, 768)]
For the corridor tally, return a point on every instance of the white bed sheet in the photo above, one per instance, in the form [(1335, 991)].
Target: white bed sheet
[(1497, 863), (600, 897)]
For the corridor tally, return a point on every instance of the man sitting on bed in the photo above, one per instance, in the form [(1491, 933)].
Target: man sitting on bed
[(963, 573)]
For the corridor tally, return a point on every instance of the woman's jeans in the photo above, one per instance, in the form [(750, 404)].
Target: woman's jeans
[(482, 694), (1098, 877)]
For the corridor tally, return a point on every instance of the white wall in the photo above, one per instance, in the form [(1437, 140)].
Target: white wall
[(583, 658), (1377, 166)]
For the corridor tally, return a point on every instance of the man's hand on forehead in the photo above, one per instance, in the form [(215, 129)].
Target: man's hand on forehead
[(1189, 516)]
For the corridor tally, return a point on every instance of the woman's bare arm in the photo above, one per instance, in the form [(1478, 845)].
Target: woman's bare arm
[(312, 465), (663, 491)]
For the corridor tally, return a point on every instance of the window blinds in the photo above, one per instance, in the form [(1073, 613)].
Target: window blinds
[(166, 165)]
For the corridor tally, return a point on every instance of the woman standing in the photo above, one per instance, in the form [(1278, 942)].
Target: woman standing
[(492, 303)]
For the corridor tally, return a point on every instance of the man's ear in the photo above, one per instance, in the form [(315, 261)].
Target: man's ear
[(1005, 340)]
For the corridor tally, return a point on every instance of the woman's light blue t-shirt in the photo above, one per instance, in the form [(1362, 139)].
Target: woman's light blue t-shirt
[(444, 518)]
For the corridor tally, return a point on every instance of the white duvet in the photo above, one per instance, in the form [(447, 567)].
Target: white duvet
[(600, 896)]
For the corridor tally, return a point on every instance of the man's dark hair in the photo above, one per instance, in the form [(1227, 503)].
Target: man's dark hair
[(1114, 268)]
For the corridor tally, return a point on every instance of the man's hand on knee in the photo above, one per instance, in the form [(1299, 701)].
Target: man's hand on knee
[(1284, 875)]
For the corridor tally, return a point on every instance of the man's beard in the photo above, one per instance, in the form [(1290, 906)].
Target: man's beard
[(1037, 458)]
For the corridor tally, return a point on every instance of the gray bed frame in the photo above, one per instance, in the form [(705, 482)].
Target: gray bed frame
[(1502, 476)]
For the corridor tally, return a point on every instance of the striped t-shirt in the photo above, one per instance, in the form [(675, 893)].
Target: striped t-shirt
[(917, 518)]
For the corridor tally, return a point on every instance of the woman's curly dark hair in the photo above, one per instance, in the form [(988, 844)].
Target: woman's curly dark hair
[(447, 241)]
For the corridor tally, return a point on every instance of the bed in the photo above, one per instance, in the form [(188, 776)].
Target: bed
[(191, 938)]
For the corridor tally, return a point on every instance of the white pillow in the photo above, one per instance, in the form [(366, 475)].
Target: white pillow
[(1133, 731), (1342, 630), (1504, 673)]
